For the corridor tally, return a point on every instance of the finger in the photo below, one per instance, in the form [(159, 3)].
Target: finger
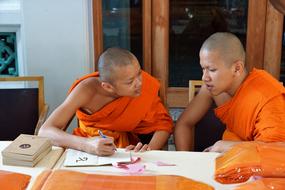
[(106, 140), (130, 147), (144, 148), (138, 147), (148, 148), (208, 149), (107, 152)]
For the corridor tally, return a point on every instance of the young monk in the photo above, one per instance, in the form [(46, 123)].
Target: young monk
[(251, 105), (121, 100)]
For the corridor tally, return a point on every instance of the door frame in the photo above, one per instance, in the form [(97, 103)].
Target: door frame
[(263, 46)]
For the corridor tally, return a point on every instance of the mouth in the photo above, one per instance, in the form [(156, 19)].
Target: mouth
[(209, 87)]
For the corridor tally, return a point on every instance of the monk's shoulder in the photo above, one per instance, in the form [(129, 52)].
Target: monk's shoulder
[(87, 87)]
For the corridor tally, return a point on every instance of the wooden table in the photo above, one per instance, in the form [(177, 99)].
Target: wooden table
[(48, 162), (199, 166)]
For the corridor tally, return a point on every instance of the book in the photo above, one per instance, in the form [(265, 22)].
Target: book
[(26, 150), (18, 162), (79, 158), (26, 147)]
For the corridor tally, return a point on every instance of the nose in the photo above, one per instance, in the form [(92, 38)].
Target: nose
[(205, 76)]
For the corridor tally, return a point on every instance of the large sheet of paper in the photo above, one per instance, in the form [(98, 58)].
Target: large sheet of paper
[(79, 158)]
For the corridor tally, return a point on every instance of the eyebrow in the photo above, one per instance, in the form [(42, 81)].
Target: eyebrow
[(132, 78)]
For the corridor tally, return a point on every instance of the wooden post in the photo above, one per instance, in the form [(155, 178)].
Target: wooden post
[(273, 41), (255, 33), (147, 35), (97, 31), (160, 47)]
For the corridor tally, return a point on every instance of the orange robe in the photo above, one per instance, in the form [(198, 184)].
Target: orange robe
[(251, 159), (13, 181), (127, 116), (72, 180), (257, 110), (264, 184)]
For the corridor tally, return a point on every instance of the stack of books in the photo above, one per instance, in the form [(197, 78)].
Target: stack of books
[(26, 150)]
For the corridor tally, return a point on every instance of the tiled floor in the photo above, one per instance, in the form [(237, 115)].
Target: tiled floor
[(175, 113)]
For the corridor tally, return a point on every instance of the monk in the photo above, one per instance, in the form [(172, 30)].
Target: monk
[(250, 104), (120, 100)]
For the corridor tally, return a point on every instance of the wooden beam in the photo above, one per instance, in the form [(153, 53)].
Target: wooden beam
[(160, 46), (273, 41), (255, 33), (38, 79), (177, 97), (97, 30), (147, 36)]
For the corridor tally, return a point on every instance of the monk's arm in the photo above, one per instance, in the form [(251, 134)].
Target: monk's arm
[(158, 140), (270, 123), (269, 126), (195, 110), (59, 119), (160, 123)]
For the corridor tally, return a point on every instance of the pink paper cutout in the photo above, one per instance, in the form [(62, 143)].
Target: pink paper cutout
[(160, 163), (135, 168), (131, 167)]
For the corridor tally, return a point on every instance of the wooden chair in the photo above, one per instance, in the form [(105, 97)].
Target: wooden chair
[(22, 106), (209, 129)]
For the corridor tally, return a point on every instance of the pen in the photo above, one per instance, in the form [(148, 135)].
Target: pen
[(101, 134), (104, 136)]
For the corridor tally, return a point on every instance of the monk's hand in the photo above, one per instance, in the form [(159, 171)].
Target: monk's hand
[(101, 146), (221, 146), (138, 148)]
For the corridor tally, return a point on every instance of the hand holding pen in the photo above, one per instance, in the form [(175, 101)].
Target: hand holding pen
[(105, 137)]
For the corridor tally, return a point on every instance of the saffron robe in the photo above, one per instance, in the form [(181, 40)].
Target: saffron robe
[(13, 181), (264, 184), (256, 111), (73, 180), (126, 116), (251, 159)]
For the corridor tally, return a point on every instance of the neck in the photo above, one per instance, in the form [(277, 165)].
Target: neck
[(237, 83)]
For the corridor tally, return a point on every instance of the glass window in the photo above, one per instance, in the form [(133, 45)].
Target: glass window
[(191, 22), (8, 54), (122, 25)]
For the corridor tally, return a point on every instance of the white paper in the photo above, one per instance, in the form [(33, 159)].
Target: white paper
[(79, 158)]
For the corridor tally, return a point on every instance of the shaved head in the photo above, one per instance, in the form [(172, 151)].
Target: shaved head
[(227, 45), (111, 60)]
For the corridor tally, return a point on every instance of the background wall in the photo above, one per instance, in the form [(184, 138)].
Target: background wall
[(57, 43)]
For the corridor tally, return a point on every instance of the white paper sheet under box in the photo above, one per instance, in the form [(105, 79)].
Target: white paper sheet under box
[(79, 158)]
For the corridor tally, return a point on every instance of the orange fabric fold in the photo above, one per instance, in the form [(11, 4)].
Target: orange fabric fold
[(13, 181), (127, 116), (251, 159), (264, 184), (41, 179), (72, 180), (256, 111)]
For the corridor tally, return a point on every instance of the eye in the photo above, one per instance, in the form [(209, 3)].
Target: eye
[(212, 70), (129, 83)]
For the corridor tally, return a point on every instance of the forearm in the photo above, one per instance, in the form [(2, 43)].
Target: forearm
[(158, 140), (184, 137), (63, 139)]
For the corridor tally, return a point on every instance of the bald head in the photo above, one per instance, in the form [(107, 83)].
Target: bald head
[(111, 60), (227, 45), (279, 5)]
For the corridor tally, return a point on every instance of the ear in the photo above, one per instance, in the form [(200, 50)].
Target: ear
[(238, 67), (107, 86)]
